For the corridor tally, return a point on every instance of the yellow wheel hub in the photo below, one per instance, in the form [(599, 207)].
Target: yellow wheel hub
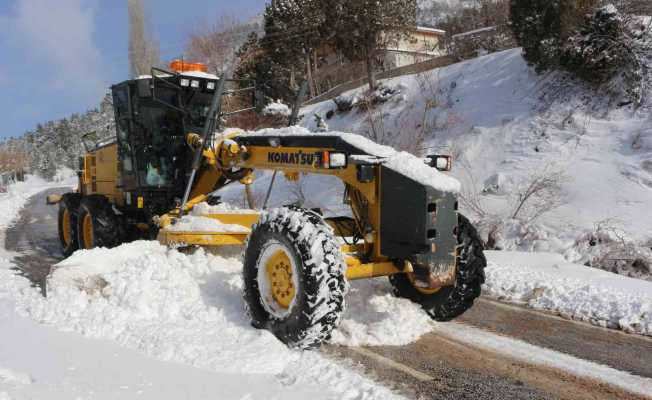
[(87, 231), (65, 227), (422, 290), (279, 276)]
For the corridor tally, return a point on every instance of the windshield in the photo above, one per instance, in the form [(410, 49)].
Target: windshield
[(197, 106), (161, 141)]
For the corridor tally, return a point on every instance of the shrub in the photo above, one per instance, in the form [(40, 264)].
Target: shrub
[(606, 47), (541, 27), (536, 26), (598, 51)]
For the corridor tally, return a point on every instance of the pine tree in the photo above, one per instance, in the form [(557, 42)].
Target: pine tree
[(292, 34), (542, 27), (364, 26), (255, 64)]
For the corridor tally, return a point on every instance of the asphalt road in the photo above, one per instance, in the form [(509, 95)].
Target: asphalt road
[(438, 366), (35, 238)]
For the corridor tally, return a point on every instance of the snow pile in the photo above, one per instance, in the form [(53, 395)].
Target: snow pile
[(145, 281), (222, 208), (192, 223), (277, 108), (184, 308), (375, 317), (173, 306), (402, 162), (546, 281)]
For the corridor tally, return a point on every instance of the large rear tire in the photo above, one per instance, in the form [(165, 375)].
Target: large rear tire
[(294, 282), (97, 224), (449, 302), (67, 223)]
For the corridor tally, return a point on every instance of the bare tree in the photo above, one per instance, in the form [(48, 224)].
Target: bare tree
[(13, 160), (143, 48), (608, 247), (539, 195)]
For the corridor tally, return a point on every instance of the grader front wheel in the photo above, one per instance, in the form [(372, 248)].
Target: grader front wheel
[(293, 274)]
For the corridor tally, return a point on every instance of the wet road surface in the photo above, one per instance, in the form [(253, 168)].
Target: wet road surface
[(35, 238)]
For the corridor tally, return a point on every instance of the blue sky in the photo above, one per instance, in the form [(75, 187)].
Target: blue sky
[(58, 57)]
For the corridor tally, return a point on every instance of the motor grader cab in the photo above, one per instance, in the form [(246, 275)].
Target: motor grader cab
[(166, 160)]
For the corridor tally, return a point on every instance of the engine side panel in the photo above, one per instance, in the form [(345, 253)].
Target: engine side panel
[(100, 173)]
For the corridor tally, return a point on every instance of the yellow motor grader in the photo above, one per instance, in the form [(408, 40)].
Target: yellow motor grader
[(165, 160)]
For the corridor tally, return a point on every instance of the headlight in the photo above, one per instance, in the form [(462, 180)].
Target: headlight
[(185, 82), (333, 160), (337, 160), (210, 85), (194, 84), (441, 162)]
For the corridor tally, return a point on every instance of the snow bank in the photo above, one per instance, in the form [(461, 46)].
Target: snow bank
[(401, 162), (375, 317), (184, 308), (144, 280), (546, 281), (129, 293)]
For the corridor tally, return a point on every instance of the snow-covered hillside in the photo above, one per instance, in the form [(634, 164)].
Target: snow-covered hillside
[(509, 128)]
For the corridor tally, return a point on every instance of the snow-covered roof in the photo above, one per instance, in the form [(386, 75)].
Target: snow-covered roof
[(426, 29)]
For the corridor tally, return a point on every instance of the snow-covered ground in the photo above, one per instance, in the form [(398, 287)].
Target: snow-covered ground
[(548, 282), (505, 126), (155, 323), (144, 320)]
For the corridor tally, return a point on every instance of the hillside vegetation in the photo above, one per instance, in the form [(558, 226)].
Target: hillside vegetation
[(547, 163)]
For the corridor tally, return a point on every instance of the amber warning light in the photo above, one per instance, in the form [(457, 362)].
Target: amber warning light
[(183, 66)]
